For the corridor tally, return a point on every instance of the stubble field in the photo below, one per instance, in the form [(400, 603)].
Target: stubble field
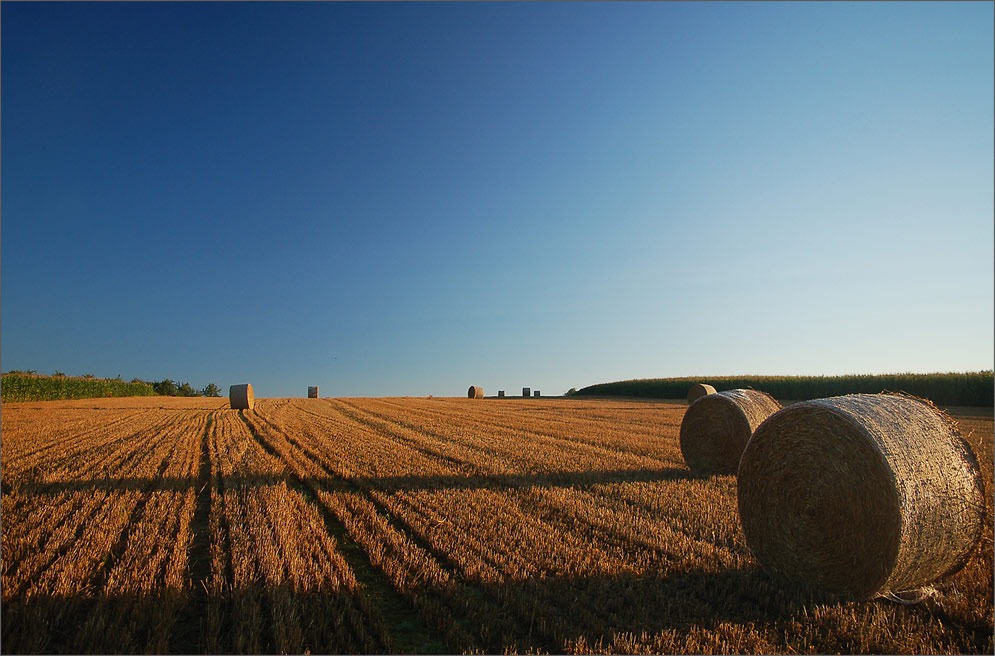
[(411, 525)]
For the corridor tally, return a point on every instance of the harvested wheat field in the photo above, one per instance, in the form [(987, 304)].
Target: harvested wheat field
[(414, 526)]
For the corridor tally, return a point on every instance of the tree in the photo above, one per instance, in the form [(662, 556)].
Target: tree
[(184, 389), (211, 390), (165, 387)]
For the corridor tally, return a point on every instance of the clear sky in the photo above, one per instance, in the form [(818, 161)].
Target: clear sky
[(408, 199)]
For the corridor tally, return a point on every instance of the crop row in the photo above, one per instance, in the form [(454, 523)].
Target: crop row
[(24, 387)]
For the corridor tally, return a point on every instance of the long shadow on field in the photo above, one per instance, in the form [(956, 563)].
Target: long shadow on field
[(551, 610), (258, 619), (733, 611), (685, 612), (596, 608), (386, 483)]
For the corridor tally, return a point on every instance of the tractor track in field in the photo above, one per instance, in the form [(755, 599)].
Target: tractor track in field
[(567, 444), (187, 635), (408, 631), (384, 428), (369, 490)]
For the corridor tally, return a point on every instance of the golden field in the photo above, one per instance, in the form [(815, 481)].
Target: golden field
[(411, 525)]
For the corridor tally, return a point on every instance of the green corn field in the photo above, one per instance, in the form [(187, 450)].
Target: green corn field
[(963, 389)]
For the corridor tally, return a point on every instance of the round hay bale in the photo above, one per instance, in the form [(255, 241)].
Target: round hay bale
[(475, 392), (864, 495), (716, 428), (699, 390), (500, 394), (526, 392), (240, 397), (312, 392)]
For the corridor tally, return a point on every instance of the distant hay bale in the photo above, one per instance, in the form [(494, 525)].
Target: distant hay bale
[(716, 428), (699, 390), (536, 393), (500, 394), (240, 397), (475, 392), (865, 495), (312, 392), (526, 392)]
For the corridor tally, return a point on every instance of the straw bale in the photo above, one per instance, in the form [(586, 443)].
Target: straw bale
[(716, 428), (699, 390), (536, 393), (501, 394), (475, 392), (312, 392), (240, 397), (526, 392), (864, 495)]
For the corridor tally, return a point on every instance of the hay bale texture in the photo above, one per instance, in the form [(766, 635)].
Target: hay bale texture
[(699, 390), (312, 392), (716, 428), (240, 397), (864, 495), (475, 392)]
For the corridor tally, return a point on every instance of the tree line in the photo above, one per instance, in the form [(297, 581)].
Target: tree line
[(167, 387)]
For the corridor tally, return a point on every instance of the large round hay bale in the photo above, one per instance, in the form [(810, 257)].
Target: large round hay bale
[(240, 397), (699, 390), (716, 428), (864, 495), (526, 392), (475, 392), (312, 392)]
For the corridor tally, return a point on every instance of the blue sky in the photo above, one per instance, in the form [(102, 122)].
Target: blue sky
[(407, 199)]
